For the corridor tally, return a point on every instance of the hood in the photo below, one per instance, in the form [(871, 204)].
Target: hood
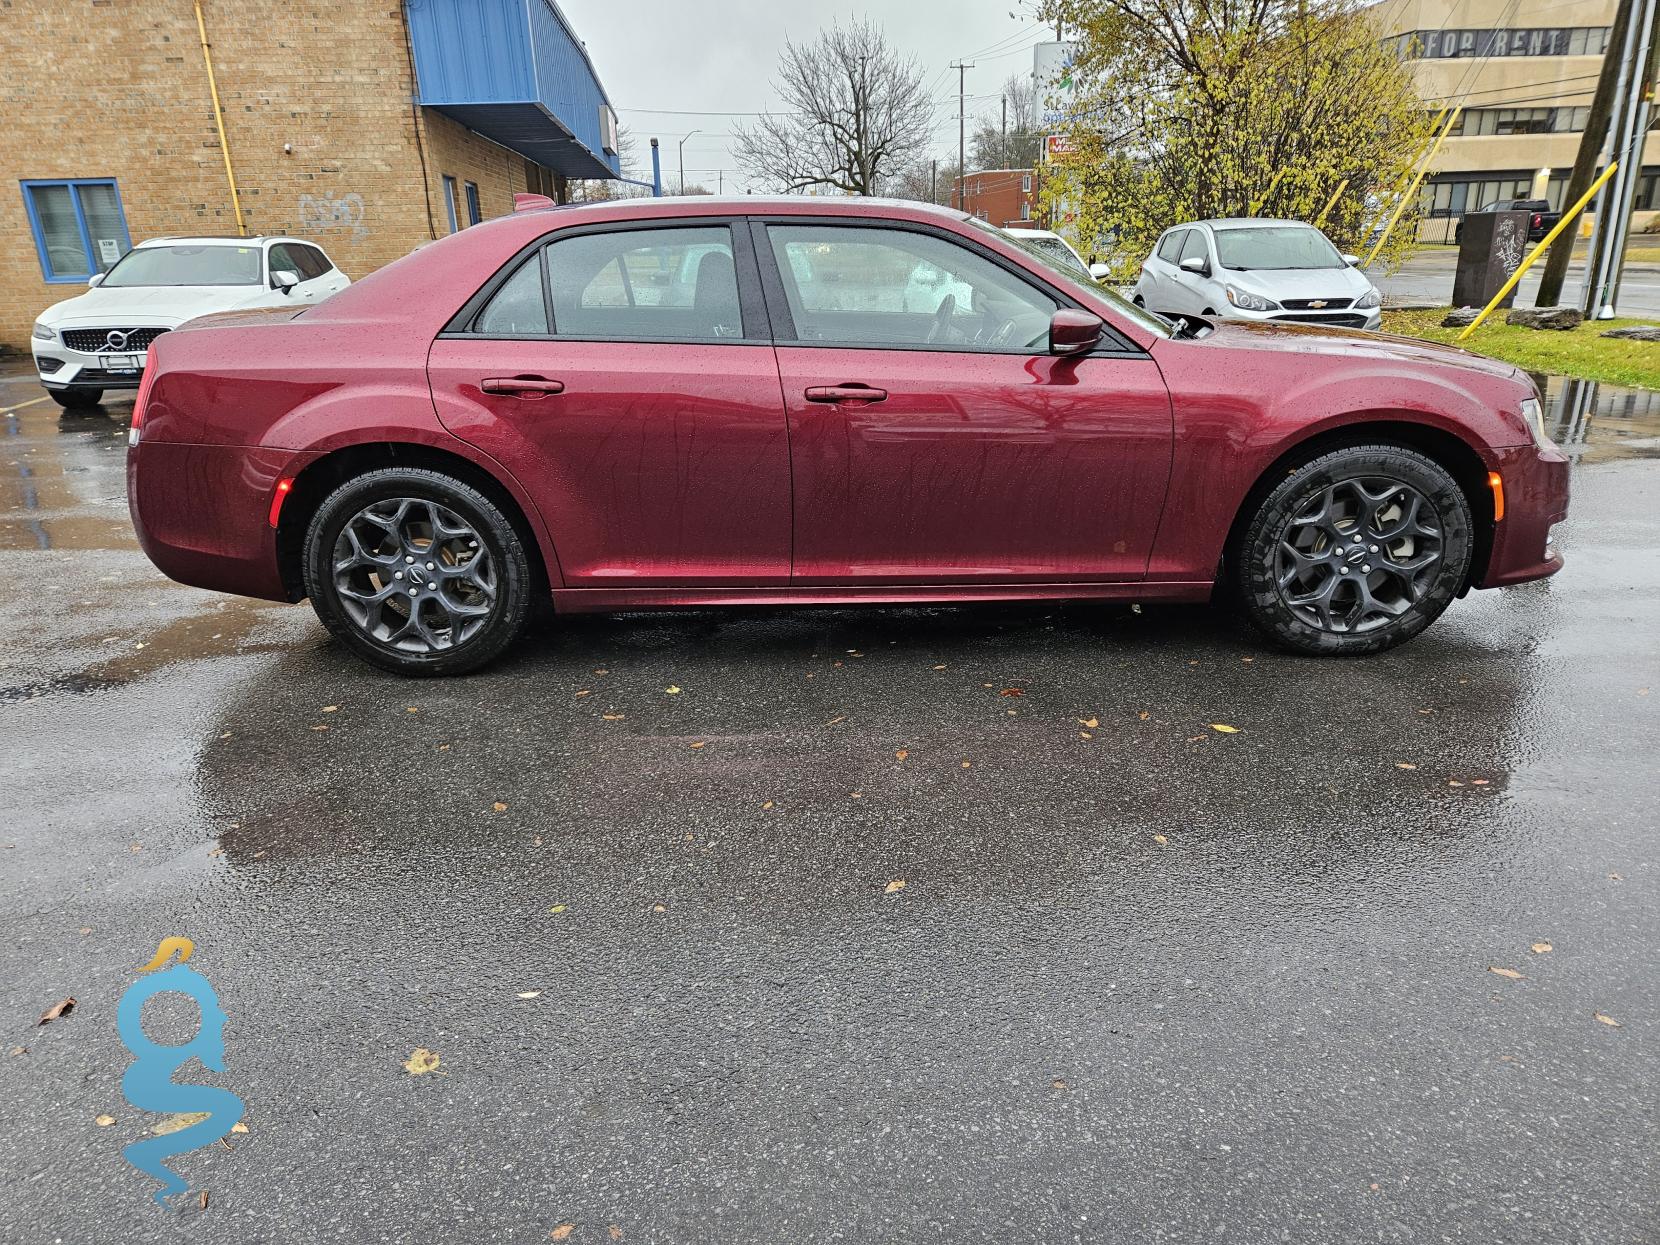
[(1282, 283), (1353, 344), (149, 304)]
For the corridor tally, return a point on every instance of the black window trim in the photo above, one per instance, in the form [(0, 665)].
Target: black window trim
[(1113, 342), (751, 307)]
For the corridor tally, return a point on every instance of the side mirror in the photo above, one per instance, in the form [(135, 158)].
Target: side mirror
[(284, 281), (95, 280), (1074, 332), (1352, 261), (1100, 271), (1197, 266)]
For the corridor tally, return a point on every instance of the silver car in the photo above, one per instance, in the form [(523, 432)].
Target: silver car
[(1246, 269)]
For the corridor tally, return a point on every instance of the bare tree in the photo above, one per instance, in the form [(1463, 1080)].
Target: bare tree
[(596, 190), (1015, 146), (857, 115)]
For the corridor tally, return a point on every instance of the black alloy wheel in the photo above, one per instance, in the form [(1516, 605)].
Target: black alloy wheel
[(1355, 552)]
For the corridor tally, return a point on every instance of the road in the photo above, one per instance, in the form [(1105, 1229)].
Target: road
[(1144, 981), (1428, 278)]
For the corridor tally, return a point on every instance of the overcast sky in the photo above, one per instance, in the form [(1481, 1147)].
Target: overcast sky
[(673, 66)]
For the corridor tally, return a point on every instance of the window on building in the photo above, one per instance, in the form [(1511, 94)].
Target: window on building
[(1025, 211), (1025, 183), (474, 214), (78, 226), (449, 202)]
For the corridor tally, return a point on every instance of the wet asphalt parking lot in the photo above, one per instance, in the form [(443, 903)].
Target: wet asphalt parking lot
[(1145, 980)]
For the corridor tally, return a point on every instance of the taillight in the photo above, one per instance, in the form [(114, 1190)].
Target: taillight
[(148, 379), (278, 496), (1538, 220)]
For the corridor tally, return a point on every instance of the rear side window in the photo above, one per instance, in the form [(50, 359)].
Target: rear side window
[(646, 285), (1171, 247), (518, 308)]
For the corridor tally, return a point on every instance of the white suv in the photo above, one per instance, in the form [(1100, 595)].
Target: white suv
[(98, 340)]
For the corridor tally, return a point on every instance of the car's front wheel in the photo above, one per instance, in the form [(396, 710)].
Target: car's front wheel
[(417, 572), (1355, 552)]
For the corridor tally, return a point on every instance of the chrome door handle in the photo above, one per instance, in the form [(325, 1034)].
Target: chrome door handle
[(845, 393), (521, 386)]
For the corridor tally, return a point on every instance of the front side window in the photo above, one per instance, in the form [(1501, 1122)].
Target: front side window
[(78, 227), (1194, 247), (284, 258), (1275, 247), (893, 287), (188, 264)]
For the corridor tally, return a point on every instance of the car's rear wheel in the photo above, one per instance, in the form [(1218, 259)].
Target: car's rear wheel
[(1354, 552), (76, 399), (417, 572)]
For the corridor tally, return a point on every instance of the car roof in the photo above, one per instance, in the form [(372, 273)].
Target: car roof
[(647, 207), (217, 239), (1248, 222)]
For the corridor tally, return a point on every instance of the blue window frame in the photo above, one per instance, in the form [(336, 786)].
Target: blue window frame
[(449, 201), (474, 215), (78, 225)]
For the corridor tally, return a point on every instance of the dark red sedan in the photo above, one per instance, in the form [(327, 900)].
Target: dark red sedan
[(700, 402)]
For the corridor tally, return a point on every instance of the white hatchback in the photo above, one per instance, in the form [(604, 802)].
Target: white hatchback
[(1247, 269), (98, 340)]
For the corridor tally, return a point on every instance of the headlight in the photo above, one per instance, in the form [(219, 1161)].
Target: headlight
[(1369, 299), (1247, 301), (1533, 411), (42, 333)]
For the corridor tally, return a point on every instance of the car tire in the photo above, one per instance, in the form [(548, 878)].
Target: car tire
[(1354, 552), (471, 597), (76, 399)]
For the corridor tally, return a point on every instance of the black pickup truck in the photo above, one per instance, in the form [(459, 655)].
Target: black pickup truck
[(1541, 220)]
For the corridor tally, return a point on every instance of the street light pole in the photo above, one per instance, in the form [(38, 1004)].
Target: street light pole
[(683, 161)]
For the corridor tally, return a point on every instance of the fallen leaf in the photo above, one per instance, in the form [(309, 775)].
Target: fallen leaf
[(19, 1050), (331, 708), (612, 717), (499, 807), (1453, 782), (583, 692), (700, 743), (1085, 735), (1144, 715), (557, 909), (939, 667), (1224, 728), (1057, 1083), (966, 764), (1539, 948), (840, 717), (1609, 1021), (657, 907), (104, 1121), (767, 805), (174, 1123), (202, 1201), (57, 1009), (1012, 691), (421, 1061), (1614, 877), (901, 754), (615, 1231), (562, 1232), (1092, 723), (1479, 782), (1405, 765), (530, 994), (602, 672), (672, 690), (1159, 838), (858, 795), (239, 1127), (412, 709), (898, 884), (1505, 972)]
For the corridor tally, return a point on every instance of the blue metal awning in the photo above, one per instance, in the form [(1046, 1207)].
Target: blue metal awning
[(515, 72)]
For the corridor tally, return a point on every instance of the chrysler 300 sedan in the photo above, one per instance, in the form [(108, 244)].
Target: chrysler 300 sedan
[(662, 402)]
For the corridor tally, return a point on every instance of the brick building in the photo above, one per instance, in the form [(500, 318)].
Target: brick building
[(367, 126), (1002, 197)]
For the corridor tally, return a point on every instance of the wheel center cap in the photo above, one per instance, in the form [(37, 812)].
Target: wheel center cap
[(1354, 555), (416, 574)]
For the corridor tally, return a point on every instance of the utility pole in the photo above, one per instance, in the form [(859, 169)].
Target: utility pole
[(1648, 84), (962, 68), (720, 181), (1003, 149), (1585, 162), (1614, 216), (934, 182)]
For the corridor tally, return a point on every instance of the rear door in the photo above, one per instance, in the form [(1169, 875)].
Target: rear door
[(1162, 265), (939, 442), (624, 374)]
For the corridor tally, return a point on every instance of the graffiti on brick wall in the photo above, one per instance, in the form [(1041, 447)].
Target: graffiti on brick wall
[(332, 214)]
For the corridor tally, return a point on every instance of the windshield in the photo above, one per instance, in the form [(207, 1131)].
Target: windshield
[(186, 265), (1055, 249), (1275, 247), (1069, 275)]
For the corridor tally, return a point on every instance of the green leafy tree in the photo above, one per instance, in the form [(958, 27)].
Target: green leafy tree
[(1188, 109)]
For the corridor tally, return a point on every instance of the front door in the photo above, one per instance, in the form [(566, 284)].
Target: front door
[(933, 437), (640, 409)]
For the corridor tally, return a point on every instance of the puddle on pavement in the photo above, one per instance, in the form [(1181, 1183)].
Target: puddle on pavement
[(1597, 423)]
